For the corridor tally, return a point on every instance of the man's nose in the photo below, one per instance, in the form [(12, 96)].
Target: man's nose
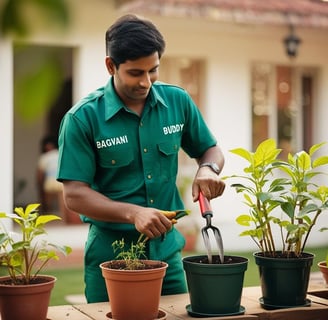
[(145, 81)]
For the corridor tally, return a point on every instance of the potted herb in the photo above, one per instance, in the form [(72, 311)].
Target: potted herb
[(133, 282), (25, 292), (284, 204)]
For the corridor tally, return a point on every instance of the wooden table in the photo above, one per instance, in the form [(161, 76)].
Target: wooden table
[(175, 307)]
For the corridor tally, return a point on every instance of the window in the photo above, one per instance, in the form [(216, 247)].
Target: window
[(282, 105)]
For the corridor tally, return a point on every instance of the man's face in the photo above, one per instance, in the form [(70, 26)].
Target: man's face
[(134, 78)]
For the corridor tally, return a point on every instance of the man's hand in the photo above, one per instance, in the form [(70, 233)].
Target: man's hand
[(209, 182), (153, 222)]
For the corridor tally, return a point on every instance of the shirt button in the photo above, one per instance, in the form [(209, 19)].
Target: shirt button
[(113, 162), (151, 200), (149, 176), (141, 123), (145, 150)]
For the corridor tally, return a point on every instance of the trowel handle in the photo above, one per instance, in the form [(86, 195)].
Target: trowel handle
[(204, 204)]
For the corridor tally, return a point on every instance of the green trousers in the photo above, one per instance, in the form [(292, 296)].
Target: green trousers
[(99, 249)]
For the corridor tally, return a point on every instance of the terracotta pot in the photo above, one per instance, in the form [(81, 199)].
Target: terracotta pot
[(28, 302), (134, 294), (324, 270), (191, 241)]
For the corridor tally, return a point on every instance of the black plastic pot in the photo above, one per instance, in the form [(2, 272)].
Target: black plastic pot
[(215, 289), (284, 281)]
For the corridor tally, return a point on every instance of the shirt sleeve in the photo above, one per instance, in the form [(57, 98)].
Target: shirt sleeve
[(76, 151)]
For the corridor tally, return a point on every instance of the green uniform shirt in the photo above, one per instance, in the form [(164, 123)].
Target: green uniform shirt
[(130, 158)]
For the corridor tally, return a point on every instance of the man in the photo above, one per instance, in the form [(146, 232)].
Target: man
[(119, 155)]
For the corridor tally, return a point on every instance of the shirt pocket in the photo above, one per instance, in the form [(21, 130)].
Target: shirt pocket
[(118, 158), (169, 158)]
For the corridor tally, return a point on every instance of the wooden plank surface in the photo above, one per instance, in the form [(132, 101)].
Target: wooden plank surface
[(175, 308), (176, 305), (99, 311), (66, 312)]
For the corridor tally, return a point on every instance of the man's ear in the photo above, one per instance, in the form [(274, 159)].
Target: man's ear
[(110, 65)]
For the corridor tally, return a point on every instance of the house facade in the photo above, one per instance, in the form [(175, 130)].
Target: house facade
[(231, 58)]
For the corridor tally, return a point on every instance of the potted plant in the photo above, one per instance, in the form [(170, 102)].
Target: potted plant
[(133, 282), (214, 282), (284, 205), (24, 291)]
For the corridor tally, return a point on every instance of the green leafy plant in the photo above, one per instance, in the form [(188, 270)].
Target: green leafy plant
[(133, 254), (25, 253), (280, 194)]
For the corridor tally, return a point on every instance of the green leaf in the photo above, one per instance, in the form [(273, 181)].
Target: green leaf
[(292, 227), (321, 161), (41, 220), (251, 233), (47, 255), (243, 153), (316, 147), (288, 208), (66, 250), (307, 209), (303, 160), (16, 260), (3, 238), (30, 208), (244, 220), (266, 152), (12, 18)]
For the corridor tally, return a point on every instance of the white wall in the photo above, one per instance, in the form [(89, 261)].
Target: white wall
[(6, 126)]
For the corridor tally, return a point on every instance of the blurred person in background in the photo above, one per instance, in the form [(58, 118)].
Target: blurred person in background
[(50, 190)]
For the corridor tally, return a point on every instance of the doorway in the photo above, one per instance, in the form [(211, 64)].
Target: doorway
[(42, 94)]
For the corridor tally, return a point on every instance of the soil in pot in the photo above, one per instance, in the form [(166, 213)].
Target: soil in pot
[(138, 265), (215, 289)]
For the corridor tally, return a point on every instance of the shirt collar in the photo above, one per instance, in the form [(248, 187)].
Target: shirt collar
[(114, 104)]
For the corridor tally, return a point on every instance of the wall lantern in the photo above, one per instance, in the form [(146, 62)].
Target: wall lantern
[(291, 42)]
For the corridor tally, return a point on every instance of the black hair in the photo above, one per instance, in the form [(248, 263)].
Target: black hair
[(131, 38)]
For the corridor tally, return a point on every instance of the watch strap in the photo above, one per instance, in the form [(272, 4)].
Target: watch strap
[(212, 165)]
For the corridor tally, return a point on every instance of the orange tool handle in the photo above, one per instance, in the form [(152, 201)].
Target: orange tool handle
[(205, 206)]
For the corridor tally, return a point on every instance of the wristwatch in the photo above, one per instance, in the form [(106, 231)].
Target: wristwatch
[(215, 168)]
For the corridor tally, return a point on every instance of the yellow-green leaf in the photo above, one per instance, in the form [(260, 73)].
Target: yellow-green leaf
[(45, 219), (244, 220)]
